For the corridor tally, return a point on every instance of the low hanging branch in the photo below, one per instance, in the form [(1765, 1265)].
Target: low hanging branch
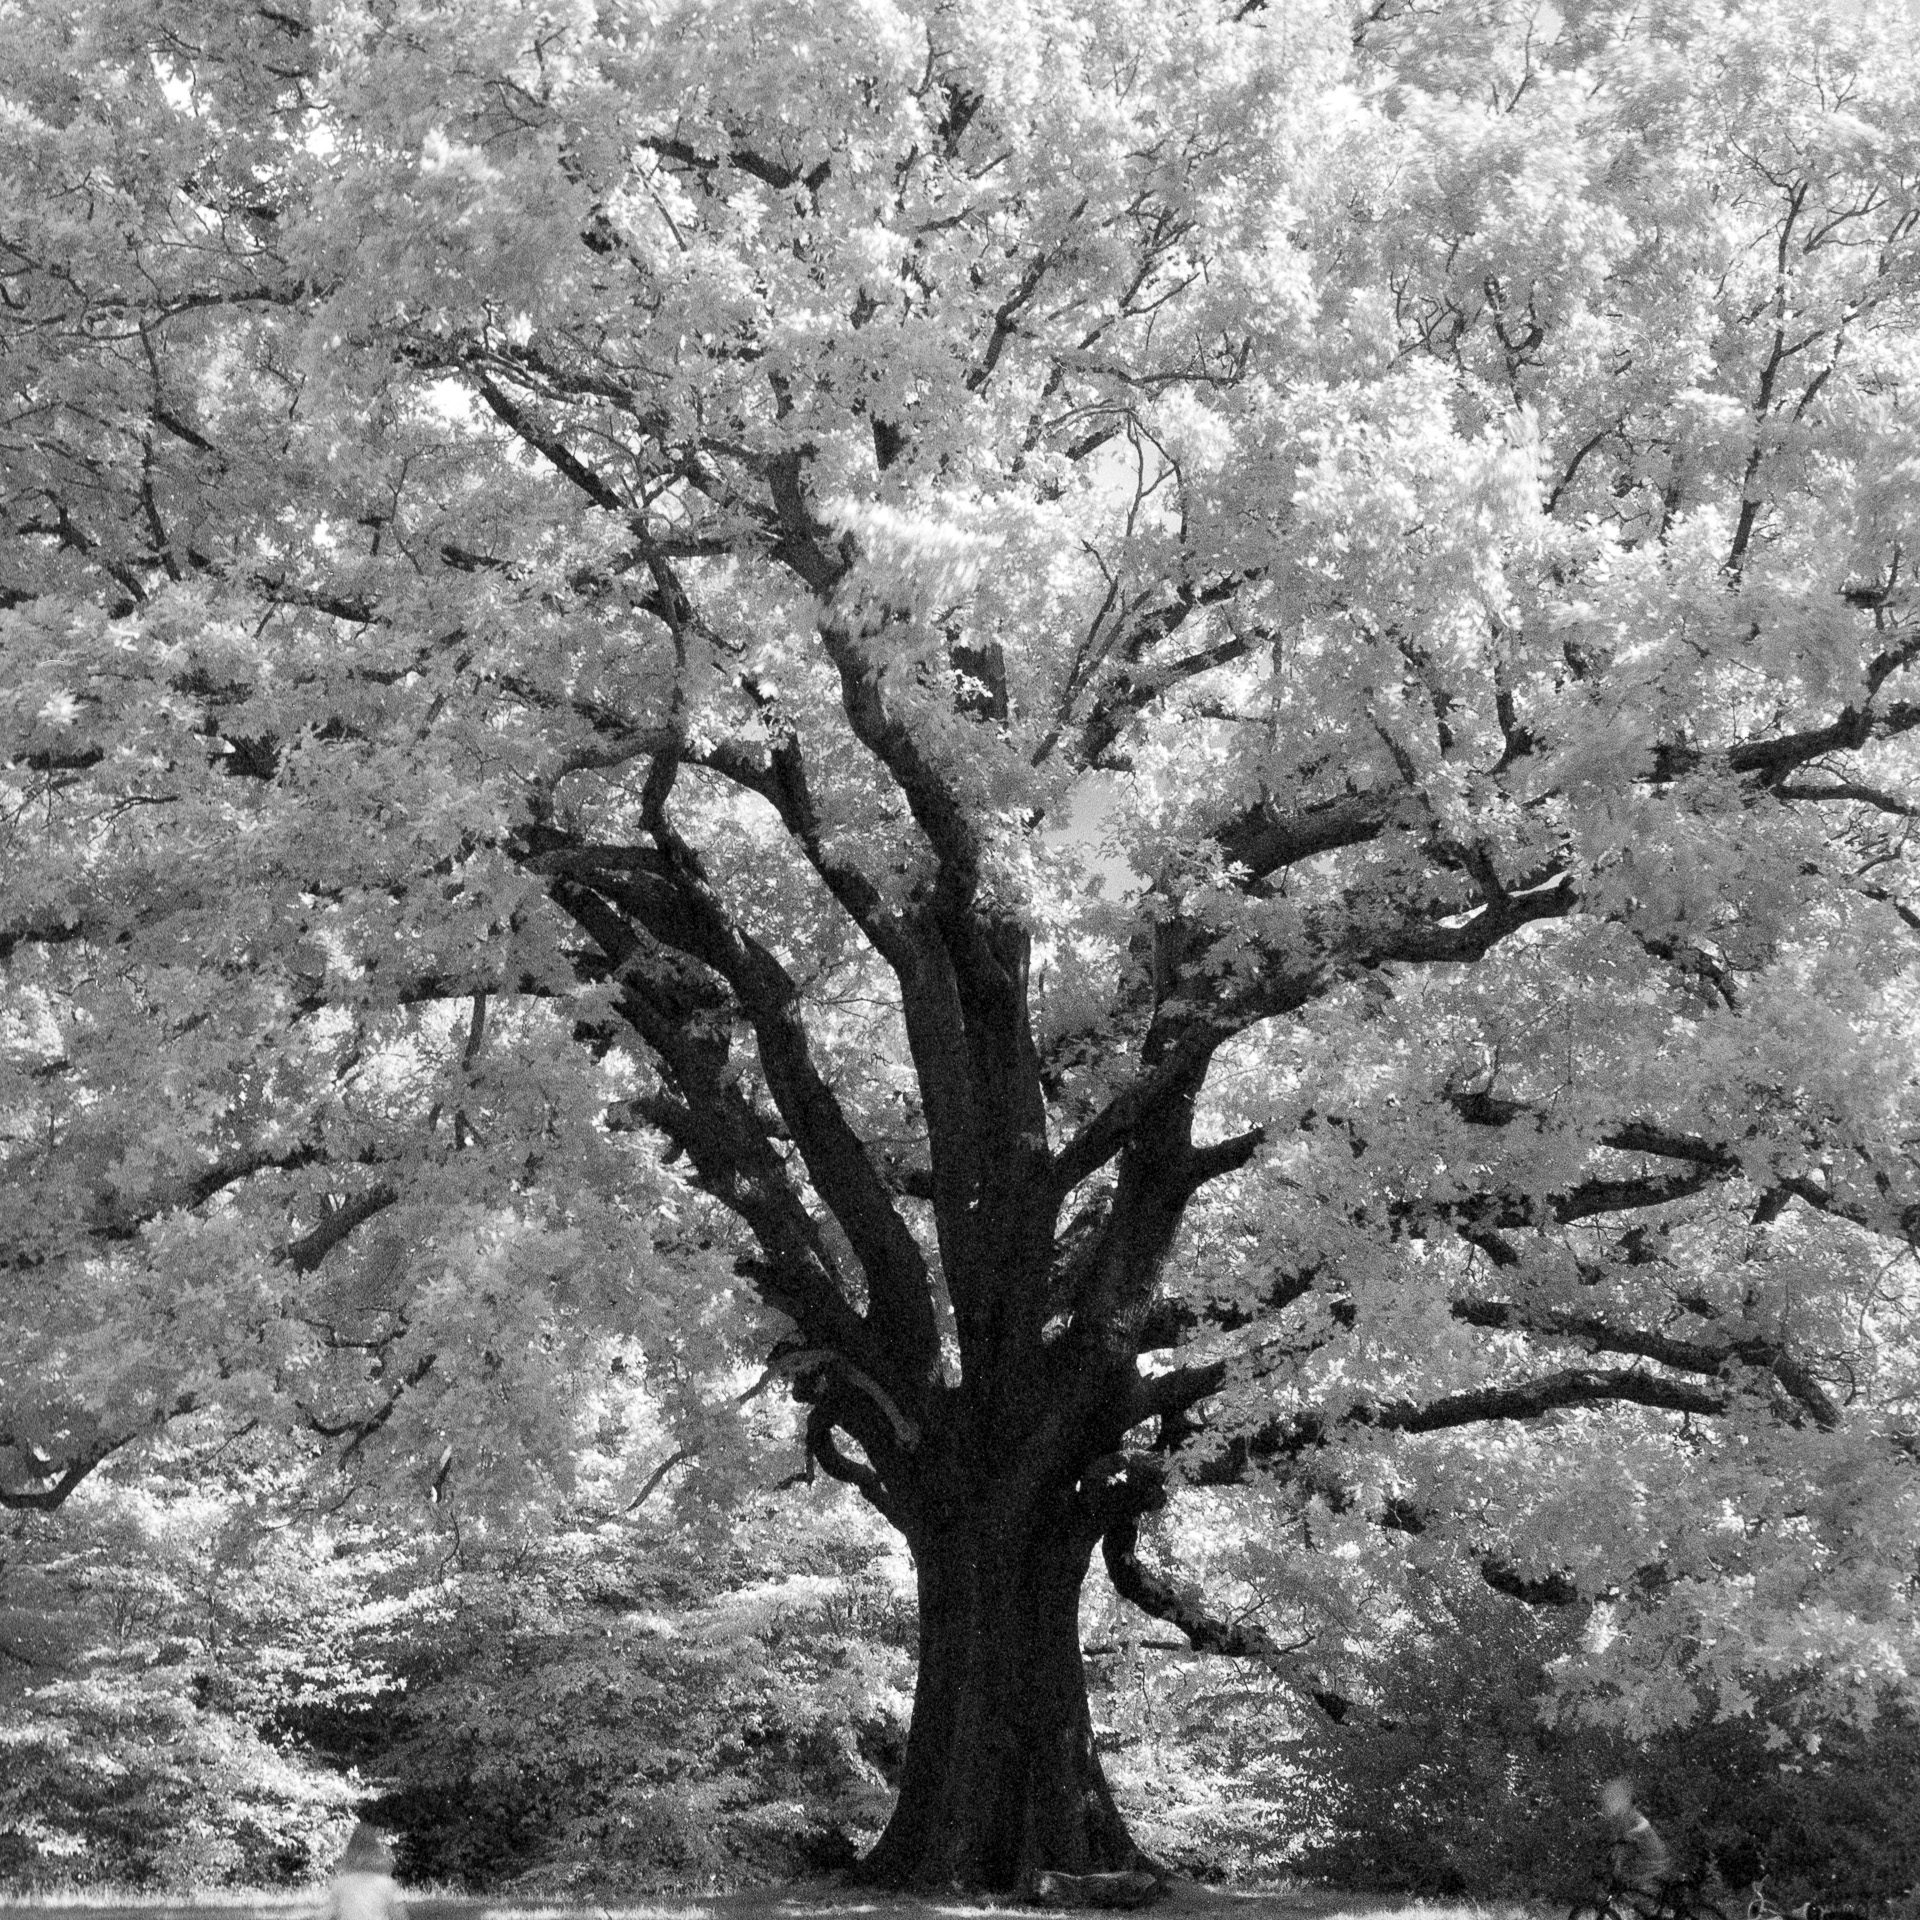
[(1181, 1604)]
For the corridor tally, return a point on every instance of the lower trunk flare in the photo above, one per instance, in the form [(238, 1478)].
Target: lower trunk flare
[(1002, 1783)]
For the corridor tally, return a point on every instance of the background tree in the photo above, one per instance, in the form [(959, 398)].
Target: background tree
[(1171, 744), (153, 1631), (208, 1667)]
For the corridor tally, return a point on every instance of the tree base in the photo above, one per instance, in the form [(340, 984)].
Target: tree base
[(1133, 1887)]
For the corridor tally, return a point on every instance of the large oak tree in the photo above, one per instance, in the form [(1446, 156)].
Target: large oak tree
[(1177, 736)]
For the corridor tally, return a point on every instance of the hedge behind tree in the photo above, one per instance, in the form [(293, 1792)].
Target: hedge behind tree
[(1461, 1778)]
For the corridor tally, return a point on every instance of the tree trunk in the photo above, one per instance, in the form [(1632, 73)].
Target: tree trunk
[(1001, 1779)]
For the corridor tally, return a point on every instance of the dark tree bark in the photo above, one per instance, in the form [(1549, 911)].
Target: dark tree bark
[(1002, 1779)]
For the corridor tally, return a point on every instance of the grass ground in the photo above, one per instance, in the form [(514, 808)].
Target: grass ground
[(822, 1900)]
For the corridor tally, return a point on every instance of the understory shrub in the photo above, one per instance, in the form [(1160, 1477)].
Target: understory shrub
[(1448, 1779), (144, 1638), (706, 1712)]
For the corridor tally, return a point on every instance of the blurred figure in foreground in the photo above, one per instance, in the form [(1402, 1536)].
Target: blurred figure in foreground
[(363, 1883), (1637, 1859)]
